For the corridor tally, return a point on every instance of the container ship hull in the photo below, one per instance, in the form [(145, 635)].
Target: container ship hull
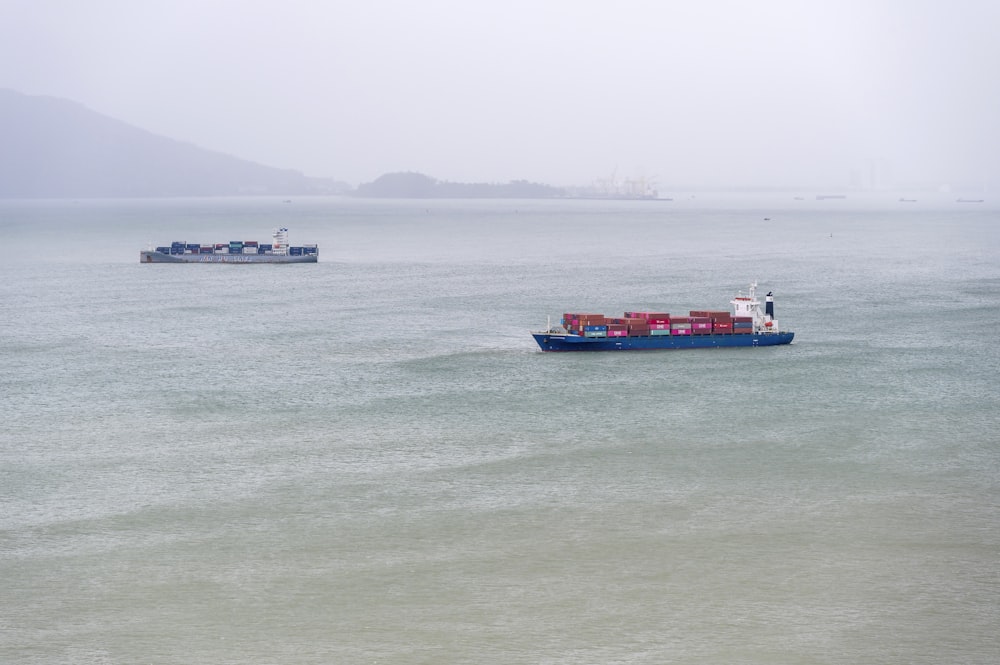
[(159, 257), (565, 342)]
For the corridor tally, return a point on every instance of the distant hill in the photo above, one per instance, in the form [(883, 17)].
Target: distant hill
[(420, 186), (55, 148)]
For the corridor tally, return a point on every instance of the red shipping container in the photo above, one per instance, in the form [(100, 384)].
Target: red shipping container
[(680, 331)]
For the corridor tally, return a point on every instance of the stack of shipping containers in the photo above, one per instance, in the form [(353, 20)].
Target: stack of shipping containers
[(742, 325), (680, 325), (233, 247), (717, 321), (643, 324)]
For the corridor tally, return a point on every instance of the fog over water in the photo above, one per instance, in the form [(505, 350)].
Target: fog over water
[(726, 94)]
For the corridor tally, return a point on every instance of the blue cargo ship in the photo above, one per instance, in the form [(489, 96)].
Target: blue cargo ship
[(747, 325), (235, 251)]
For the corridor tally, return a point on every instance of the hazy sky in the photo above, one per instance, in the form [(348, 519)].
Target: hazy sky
[(691, 93)]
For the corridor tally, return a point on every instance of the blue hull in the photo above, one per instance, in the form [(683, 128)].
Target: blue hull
[(562, 342)]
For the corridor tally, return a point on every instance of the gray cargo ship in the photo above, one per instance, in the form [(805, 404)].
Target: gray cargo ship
[(235, 251)]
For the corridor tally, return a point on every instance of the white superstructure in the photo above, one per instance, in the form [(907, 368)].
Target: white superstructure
[(763, 320), (280, 242)]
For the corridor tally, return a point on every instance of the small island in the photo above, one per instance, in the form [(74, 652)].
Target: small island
[(419, 186), (410, 185)]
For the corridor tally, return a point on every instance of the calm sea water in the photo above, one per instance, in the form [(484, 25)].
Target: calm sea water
[(367, 460)]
